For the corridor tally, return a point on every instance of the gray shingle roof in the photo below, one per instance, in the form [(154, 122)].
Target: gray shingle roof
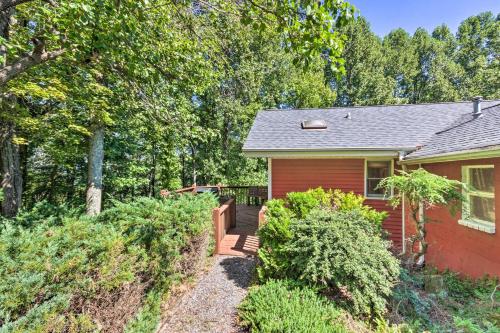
[(464, 134), (373, 127)]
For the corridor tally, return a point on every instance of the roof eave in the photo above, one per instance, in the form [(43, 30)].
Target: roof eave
[(470, 154), (391, 152)]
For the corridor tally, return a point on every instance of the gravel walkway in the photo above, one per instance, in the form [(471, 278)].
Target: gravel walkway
[(211, 305)]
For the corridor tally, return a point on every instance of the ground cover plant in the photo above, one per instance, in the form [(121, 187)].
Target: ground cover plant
[(93, 273), (285, 306), (463, 304)]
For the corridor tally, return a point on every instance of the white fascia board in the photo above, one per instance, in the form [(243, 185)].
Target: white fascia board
[(472, 154), (322, 154)]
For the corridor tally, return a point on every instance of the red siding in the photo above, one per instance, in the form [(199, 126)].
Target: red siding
[(456, 247), (294, 175)]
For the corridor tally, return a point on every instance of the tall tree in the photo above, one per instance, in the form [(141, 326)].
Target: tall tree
[(364, 82), (126, 42), (401, 63), (478, 54), (256, 73)]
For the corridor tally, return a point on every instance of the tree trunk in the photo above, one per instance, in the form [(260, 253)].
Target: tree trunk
[(12, 181), (152, 173), (193, 163), (5, 17), (183, 175), (95, 166), (421, 235), (418, 216)]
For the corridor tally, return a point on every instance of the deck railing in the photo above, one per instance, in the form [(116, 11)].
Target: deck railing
[(249, 195), (223, 217)]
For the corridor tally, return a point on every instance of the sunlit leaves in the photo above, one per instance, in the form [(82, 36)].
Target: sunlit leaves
[(310, 28)]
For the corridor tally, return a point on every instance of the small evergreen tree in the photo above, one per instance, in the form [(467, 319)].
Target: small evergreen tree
[(421, 189)]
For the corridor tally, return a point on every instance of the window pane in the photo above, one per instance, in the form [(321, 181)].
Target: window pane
[(371, 184), (482, 208), (378, 169), (482, 179)]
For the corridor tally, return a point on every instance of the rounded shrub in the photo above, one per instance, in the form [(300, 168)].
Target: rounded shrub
[(282, 306), (272, 236), (342, 252), (301, 203)]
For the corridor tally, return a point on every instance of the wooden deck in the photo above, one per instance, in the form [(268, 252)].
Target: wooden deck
[(241, 240)]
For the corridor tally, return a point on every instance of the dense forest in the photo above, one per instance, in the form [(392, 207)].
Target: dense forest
[(163, 96)]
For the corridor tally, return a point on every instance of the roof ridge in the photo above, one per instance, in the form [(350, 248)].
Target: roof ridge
[(460, 121), (492, 106), (383, 105)]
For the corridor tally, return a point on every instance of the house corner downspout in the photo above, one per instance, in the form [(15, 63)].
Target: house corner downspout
[(403, 219), (269, 178)]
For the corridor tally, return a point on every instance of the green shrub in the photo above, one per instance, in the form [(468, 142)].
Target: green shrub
[(43, 268), (47, 271), (410, 303), (348, 201), (162, 228), (287, 248), (301, 203), (341, 252), (272, 236), (44, 213), (282, 306)]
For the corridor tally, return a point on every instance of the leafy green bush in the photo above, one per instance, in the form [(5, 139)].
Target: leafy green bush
[(162, 228), (282, 306), (464, 305), (49, 273), (329, 239), (341, 252), (301, 203), (45, 213), (348, 201), (272, 236)]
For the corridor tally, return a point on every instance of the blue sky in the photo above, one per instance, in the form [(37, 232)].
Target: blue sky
[(386, 15)]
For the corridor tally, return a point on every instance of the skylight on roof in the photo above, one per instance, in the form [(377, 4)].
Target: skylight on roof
[(313, 124)]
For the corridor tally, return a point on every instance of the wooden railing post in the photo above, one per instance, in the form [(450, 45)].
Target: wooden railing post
[(233, 213), (216, 222)]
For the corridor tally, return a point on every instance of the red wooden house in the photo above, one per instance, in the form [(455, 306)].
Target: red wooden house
[(353, 148)]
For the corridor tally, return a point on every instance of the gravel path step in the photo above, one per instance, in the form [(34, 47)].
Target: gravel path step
[(211, 305)]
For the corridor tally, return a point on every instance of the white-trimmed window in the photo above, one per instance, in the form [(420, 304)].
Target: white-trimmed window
[(478, 210), (375, 171)]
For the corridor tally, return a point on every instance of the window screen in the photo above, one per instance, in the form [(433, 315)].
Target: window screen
[(375, 172), (480, 196)]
